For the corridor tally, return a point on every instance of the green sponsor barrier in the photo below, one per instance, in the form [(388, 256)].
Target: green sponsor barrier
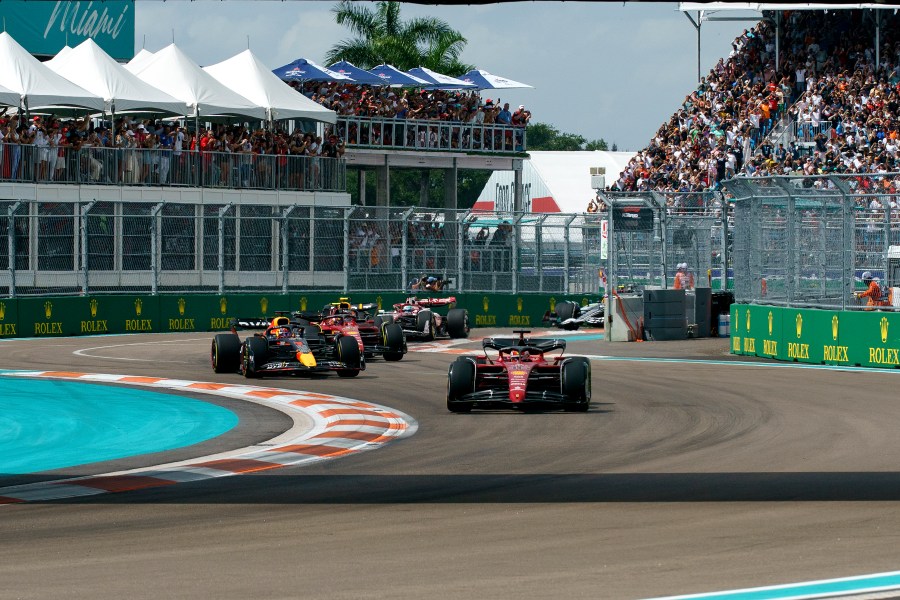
[(91, 315), (853, 338), (9, 318)]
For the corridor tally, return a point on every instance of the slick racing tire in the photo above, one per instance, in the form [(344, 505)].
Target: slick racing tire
[(460, 381), (458, 323), (348, 353), (575, 381), (225, 353), (392, 336), (256, 354), (379, 319), (425, 324), (567, 310)]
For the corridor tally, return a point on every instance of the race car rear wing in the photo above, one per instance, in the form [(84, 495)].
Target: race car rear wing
[(429, 302), (241, 323), (530, 344)]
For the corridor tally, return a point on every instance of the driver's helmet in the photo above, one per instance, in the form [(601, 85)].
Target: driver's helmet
[(338, 321), (407, 309), (514, 353), (280, 332)]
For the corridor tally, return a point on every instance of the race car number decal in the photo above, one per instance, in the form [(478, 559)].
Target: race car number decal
[(277, 365)]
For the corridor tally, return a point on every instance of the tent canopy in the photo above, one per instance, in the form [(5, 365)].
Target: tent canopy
[(483, 80), (140, 59), (391, 75), (36, 83), (94, 70), (173, 72), (258, 84), (306, 70), (439, 80), (358, 75)]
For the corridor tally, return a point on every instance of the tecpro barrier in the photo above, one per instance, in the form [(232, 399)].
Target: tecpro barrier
[(852, 338), (116, 314)]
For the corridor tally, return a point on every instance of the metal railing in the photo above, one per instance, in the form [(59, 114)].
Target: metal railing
[(806, 241), (125, 247), (425, 135), (166, 167), (806, 131)]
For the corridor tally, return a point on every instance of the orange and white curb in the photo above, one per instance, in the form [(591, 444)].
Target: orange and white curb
[(339, 427)]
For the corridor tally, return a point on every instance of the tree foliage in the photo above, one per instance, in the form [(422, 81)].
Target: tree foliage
[(542, 136), (383, 37)]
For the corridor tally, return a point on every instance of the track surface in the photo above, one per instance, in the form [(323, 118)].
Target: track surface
[(682, 478)]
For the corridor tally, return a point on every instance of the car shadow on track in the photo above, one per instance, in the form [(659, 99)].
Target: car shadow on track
[(289, 487)]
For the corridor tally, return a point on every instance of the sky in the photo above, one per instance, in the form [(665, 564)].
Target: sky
[(606, 70)]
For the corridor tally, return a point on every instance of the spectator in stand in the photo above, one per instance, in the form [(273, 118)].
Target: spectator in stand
[(504, 117)]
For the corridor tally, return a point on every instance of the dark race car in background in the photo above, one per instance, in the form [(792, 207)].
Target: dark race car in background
[(284, 348), (571, 315), (376, 336), (421, 322), (520, 373)]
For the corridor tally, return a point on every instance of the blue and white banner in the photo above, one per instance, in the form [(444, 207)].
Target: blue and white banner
[(44, 28)]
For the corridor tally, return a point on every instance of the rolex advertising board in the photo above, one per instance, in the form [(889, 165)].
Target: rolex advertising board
[(9, 317), (44, 28)]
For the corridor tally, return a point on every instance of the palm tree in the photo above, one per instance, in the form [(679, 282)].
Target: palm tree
[(384, 38)]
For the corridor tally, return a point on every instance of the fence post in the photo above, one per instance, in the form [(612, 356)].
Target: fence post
[(154, 247), (404, 245), (348, 212), (726, 255), (222, 212), (514, 262), (11, 246), (461, 249), (566, 258), (84, 246), (285, 256)]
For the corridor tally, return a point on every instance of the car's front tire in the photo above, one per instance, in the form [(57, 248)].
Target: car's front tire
[(575, 381), (225, 353), (460, 381)]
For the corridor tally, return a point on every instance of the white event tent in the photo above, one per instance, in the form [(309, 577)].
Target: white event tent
[(93, 69), (258, 84), (140, 59), (173, 72), (36, 84)]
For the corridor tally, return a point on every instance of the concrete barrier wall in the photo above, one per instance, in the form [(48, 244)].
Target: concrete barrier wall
[(853, 338), (108, 314)]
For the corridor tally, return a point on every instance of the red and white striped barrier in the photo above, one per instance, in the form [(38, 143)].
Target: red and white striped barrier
[(340, 427)]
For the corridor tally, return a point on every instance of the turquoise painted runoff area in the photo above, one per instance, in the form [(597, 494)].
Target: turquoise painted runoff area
[(867, 584), (47, 424)]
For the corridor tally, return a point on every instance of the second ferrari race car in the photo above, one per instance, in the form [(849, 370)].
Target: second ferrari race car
[(571, 315), (284, 348), (420, 322), (376, 336), (518, 373)]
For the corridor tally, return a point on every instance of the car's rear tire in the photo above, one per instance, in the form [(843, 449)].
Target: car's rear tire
[(225, 353), (566, 310), (460, 381), (348, 353), (256, 354), (379, 319), (392, 336), (575, 381), (458, 323), (425, 324)]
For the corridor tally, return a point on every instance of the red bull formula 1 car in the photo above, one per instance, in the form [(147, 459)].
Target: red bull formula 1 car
[(520, 373), (285, 347), (421, 322)]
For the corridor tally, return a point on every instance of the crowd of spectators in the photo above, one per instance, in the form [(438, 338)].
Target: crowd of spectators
[(355, 100), (827, 83), (46, 148)]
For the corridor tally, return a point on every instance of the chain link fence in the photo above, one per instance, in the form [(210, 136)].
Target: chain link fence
[(807, 241), (651, 233), (143, 247)]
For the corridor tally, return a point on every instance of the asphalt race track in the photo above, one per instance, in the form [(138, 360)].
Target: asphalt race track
[(684, 477)]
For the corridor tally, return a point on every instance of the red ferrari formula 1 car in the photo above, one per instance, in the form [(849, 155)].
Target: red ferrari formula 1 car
[(518, 373), (284, 347), (420, 322), (376, 336)]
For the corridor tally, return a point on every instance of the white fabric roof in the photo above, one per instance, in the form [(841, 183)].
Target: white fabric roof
[(140, 59), (554, 181), (174, 73), (94, 70), (258, 84), (65, 50), (27, 76)]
